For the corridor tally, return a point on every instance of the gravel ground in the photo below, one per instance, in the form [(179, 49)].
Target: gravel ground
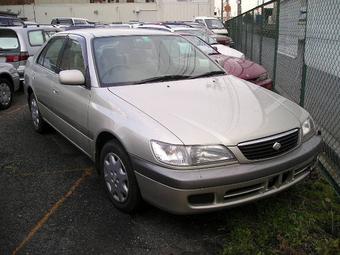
[(52, 203)]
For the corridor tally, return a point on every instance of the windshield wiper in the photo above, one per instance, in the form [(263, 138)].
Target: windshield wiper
[(163, 78), (214, 53), (209, 74)]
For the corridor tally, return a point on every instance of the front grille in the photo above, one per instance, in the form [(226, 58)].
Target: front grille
[(263, 148)]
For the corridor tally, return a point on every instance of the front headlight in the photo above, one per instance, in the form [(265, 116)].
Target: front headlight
[(181, 155), (307, 129)]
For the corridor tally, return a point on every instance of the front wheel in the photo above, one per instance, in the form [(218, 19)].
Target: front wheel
[(6, 94), (118, 177), (38, 123)]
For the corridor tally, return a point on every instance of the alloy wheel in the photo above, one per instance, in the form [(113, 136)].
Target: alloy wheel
[(5, 94), (35, 113)]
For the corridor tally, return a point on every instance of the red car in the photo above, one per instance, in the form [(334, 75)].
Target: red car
[(242, 68)]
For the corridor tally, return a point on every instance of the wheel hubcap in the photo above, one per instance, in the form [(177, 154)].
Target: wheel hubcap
[(116, 177), (35, 112), (5, 94)]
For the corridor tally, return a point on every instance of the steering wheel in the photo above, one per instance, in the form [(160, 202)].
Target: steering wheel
[(108, 71)]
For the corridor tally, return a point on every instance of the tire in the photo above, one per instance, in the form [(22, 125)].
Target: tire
[(39, 124), (118, 178), (6, 94)]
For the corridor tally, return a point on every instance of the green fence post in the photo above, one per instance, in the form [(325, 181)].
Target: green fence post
[(261, 33), (252, 35), (246, 39), (277, 27), (304, 67), (239, 21)]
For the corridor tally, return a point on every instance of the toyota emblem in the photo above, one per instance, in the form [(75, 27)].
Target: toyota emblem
[(277, 146)]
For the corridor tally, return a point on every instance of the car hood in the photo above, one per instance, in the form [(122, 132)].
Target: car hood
[(217, 110), (227, 51), (243, 68)]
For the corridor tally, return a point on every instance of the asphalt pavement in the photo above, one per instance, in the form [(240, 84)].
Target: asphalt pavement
[(52, 202)]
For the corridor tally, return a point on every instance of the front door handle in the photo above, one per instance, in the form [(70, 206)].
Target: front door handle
[(55, 91)]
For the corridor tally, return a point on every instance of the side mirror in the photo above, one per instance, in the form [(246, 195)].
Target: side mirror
[(71, 77)]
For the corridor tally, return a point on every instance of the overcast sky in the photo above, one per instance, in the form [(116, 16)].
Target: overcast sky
[(246, 5)]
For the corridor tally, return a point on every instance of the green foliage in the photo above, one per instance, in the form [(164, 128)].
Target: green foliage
[(303, 220)]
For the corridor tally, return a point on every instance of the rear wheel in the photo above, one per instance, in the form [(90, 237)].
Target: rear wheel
[(38, 123), (118, 177), (6, 94)]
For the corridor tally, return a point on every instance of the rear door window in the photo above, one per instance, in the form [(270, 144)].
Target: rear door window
[(36, 38), (4, 22), (8, 40), (200, 21)]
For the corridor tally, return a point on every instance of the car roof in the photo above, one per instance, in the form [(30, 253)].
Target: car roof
[(30, 28), (105, 32), (155, 26), (8, 17), (205, 17), (185, 28), (69, 18)]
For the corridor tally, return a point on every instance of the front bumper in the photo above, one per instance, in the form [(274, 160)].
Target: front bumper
[(208, 189), (21, 71), (16, 81)]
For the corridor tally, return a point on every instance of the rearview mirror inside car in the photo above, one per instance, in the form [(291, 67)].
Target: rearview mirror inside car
[(71, 77)]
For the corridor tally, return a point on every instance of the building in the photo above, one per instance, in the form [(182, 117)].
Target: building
[(107, 11)]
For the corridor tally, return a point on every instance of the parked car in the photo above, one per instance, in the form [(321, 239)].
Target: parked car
[(213, 24), (165, 123), (120, 25), (242, 68), (10, 21), (69, 21), (19, 42), (9, 83), (221, 39), (223, 49)]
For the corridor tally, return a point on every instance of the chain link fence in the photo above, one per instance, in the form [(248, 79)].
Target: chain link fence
[(298, 42)]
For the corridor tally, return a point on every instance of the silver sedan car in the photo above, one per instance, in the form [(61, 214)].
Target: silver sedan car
[(164, 123)]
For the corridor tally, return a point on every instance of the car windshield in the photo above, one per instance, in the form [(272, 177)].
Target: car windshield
[(199, 33), (127, 60), (203, 46), (214, 24), (10, 22)]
